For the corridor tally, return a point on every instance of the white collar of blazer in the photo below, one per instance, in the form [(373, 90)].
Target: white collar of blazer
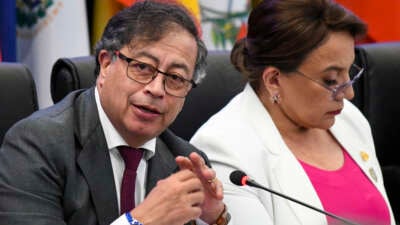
[(286, 170)]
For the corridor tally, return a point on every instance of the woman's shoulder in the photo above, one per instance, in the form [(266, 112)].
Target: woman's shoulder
[(226, 116)]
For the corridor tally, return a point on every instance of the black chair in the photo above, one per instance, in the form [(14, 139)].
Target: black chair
[(17, 95), (69, 74), (218, 87), (380, 86), (377, 92)]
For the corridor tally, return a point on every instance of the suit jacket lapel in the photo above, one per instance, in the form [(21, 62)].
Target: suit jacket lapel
[(160, 166), (94, 159), (163, 164)]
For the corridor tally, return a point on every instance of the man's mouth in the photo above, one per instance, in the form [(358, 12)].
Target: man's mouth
[(148, 109)]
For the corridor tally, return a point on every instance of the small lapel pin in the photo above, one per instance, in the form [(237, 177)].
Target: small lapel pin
[(373, 174), (364, 156)]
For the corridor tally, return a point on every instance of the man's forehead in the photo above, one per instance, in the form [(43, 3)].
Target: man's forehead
[(148, 36)]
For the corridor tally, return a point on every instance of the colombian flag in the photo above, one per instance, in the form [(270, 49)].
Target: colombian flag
[(105, 9), (102, 11), (191, 5)]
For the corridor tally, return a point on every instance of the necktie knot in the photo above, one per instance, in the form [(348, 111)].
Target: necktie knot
[(131, 156)]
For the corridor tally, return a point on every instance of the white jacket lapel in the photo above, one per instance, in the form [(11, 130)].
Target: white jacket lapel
[(286, 170), (360, 151)]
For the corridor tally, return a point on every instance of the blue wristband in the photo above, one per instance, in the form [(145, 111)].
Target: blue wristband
[(131, 220)]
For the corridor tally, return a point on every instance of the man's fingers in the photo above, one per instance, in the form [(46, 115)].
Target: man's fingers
[(196, 198), (218, 189), (205, 173), (197, 160), (183, 175), (179, 197), (184, 163)]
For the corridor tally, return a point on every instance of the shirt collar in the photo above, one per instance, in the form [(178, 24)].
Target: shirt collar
[(113, 138)]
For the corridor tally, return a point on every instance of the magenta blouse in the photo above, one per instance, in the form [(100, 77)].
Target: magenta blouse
[(348, 193)]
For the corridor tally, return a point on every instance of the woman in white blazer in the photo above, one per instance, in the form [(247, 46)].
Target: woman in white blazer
[(292, 129)]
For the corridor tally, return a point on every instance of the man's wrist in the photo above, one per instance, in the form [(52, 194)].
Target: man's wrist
[(223, 218), (132, 220)]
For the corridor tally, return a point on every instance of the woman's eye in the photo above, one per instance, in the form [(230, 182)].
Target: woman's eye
[(330, 82)]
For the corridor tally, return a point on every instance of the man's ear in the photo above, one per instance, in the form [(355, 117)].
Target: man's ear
[(270, 78), (105, 59)]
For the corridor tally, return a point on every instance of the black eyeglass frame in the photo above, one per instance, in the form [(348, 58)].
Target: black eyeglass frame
[(156, 72)]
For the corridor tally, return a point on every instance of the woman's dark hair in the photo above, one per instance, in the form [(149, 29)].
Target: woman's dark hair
[(281, 33), (146, 22)]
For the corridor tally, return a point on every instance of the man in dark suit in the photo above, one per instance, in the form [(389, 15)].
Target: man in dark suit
[(64, 164)]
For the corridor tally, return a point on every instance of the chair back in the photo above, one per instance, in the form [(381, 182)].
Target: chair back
[(18, 97), (377, 92), (70, 74)]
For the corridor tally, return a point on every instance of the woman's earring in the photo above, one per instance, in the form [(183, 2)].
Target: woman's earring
[(275, 98)]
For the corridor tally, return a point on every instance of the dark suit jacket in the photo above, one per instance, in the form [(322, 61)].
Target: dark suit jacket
[(55, 166)]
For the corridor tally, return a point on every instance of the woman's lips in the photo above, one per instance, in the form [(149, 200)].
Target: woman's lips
[(336, 112)]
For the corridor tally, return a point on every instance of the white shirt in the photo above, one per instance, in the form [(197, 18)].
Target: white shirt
[(114, 139)]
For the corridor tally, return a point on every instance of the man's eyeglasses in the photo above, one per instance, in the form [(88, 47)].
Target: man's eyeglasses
[(355, 72), (143, 73)]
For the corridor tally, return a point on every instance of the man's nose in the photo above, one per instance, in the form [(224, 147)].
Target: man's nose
[(156, 86)]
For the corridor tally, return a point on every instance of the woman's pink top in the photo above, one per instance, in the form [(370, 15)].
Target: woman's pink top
[(348, 193)]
